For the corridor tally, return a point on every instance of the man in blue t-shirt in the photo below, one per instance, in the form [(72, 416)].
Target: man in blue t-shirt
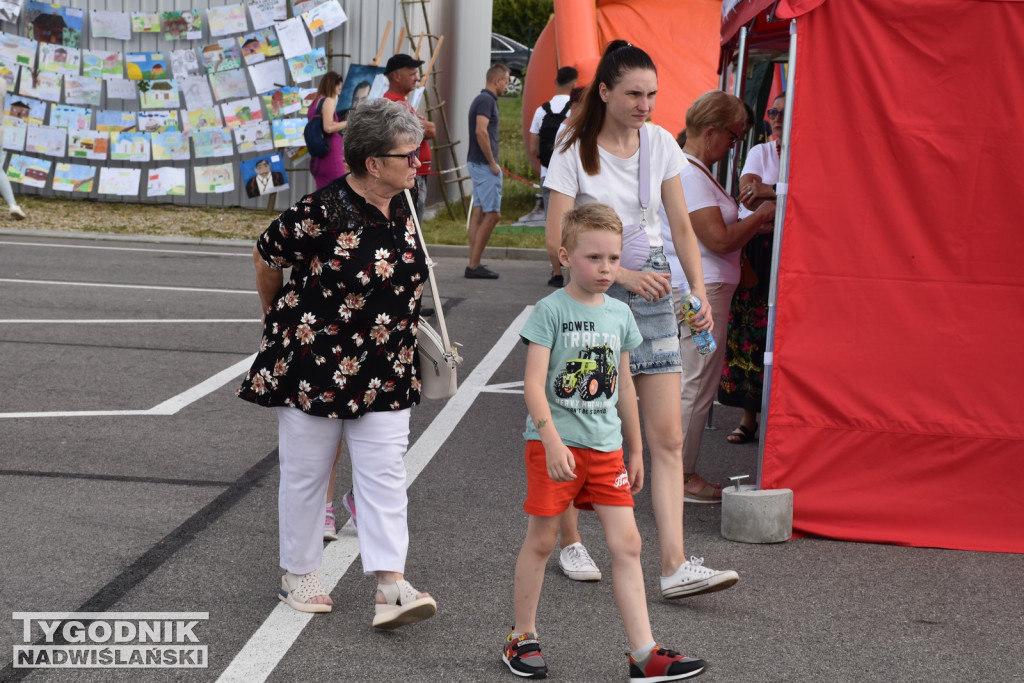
[(482, 160)]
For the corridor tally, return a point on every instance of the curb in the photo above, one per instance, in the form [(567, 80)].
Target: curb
[(452, 250)]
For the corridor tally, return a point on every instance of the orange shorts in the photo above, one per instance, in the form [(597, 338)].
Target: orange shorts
[(600, 478)]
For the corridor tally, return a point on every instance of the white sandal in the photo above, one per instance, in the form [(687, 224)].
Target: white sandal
[(402, 606), (303, 589)]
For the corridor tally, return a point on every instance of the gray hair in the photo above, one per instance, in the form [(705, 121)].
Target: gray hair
[(376, 127)]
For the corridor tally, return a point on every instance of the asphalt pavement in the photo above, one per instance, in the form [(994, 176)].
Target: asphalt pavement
[(132, 480)]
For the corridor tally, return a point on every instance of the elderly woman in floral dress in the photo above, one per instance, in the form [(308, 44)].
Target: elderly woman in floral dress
[(338, 357)]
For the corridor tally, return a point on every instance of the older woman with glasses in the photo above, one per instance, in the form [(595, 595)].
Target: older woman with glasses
[(714, 123), (748, 317), (338, 356)]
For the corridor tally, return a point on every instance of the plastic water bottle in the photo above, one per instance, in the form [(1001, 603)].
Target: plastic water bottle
[(703, 340)]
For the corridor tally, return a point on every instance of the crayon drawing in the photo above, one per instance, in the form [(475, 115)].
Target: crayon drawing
[(166, 181), (120, 181), (129, 146), (88, 144), (219, 178), (73, 177), (29, 170)]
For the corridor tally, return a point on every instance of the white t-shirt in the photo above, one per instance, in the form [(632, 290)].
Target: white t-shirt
[(702, 193), (556, 103), (618, 182), (762, 161)]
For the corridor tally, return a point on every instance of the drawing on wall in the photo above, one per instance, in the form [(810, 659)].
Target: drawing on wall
[(145, 22), (185, 64), (146, 66), (166, 181), (265, 12), (158, 121), (29, 171), (73, 177), (116, 25), (356, 86), (293, 37), (113, 120), (267, 75), (218, 178), (224, 55), (48, 140), (129, 146), (14, 135), (121, 89), (324, 17), (15, 50), (196, 90), (263, 175), (8, 74), (59, 59), (288, 132), (82, 90), (226, 20), (239, 112), (40, 84), (182, 25), (70, 117), (88, 144), (195, 119), (282, 102), (102, 64), (26, 109), (120, 181), (170, 146), (212, 142), (158, 94), (229, 85), (48, 23), (308, 66), (260, 45), (253, 137)]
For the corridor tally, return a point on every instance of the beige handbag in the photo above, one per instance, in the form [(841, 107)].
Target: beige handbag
[(439, 357)]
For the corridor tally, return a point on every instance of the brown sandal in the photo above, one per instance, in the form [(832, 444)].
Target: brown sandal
[(709, 494)]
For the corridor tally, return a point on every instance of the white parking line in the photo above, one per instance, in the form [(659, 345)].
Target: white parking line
[(18, 280), (269, 644), (246, 254), (168, 407), (129, 321)]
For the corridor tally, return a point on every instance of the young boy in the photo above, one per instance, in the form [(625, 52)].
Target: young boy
[(581, 400)]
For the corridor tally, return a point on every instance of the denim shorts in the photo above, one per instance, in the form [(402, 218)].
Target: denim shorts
[(659, 351), (486, 187)]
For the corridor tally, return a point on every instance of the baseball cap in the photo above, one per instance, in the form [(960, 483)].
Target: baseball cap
[(401, 61)]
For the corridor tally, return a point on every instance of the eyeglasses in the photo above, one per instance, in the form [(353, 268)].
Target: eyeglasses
[(775, 113), (733, 137), (412, 157)]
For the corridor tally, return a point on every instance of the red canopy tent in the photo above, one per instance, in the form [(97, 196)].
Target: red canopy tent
[(900, 316)]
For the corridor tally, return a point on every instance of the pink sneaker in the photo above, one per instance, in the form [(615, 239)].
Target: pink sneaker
[(349, 501), (330, 525)]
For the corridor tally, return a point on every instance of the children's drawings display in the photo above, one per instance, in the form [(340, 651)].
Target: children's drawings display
[(223, 81)]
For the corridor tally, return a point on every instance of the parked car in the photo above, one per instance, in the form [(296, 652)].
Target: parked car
[(515, 56)]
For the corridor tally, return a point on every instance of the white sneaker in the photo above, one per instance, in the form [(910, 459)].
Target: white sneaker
[(693, 578), (577, 564), (17, 212)]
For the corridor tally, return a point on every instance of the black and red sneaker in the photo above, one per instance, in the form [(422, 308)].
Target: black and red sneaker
[(523, 657), (664, 665)]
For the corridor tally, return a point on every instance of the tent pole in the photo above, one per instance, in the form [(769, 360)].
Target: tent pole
[(782, 193), (738, 83)]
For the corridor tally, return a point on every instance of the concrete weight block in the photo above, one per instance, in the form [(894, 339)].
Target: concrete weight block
[(751, 515)]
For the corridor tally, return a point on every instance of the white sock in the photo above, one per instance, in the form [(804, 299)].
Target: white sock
[(641, 652)]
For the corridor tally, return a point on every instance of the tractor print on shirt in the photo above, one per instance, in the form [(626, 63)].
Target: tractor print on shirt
[(590, 375)]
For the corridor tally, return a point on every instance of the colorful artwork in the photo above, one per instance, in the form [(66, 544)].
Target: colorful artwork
[(112, 120), (48, 23), (8, 74), (194, 119), (15, 50), (88, 144), (267, 75), (185, 64), (166, 181), (239, 112), (59, 59), (170, 146), (307, 97), (212, 142), (253, 137), (102, 64), (145, 22), (288, 132), (324, 17), (120, 181), (183, 25), (158, 121), (82, 90), (356, 86), (196, 90), (26, 109), (282, 102), (146, 66), (29, 170), (73, 177), (259, 45), (228, 85), (265, 12), (70, 117), (40, 84), (219, 178), (14, 134), (129, 146), (263, 175), (308, 66), (47, 140), (158, 94), (224, 55), (226, 20), (116, 25)]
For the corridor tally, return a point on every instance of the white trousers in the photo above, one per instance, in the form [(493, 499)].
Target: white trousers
[(377, 443), (702, 374)]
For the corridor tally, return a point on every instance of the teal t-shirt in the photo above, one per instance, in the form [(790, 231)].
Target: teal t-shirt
[(582, 378)]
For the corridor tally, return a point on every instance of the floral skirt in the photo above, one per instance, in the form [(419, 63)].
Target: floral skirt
[(743, 372)]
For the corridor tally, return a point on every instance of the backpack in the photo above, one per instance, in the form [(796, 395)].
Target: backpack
[(549, 129), (316, 141)]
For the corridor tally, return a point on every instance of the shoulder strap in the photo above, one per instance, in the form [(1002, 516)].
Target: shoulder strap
[(645, 169), (713, 180), (546, 107), (442, 328), (566, 108)]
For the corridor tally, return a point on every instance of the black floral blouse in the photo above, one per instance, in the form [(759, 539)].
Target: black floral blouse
[(340, 338)]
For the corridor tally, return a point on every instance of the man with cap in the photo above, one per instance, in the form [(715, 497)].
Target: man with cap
[(403, 73)]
